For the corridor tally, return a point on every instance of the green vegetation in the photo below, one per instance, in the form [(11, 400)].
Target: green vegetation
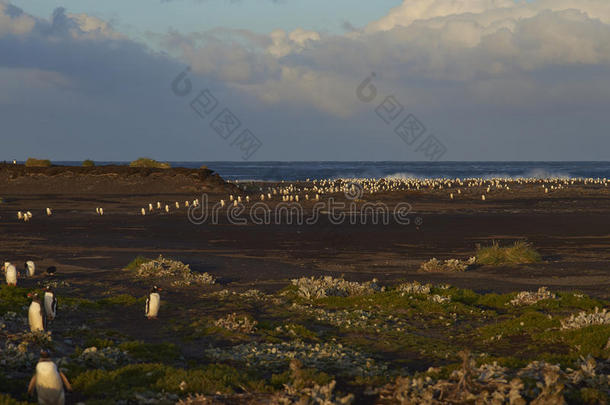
[(385, 334), (127, 381), (32, 162), (149, 163), (137, 262), (12, 298), (88, 163), (161, 352), (518, 252), (7, 400)]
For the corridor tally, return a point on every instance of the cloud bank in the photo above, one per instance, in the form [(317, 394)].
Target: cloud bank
[(486, 75)]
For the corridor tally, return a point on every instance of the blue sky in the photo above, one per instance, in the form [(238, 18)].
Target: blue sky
[(486, 79), (136, 17)]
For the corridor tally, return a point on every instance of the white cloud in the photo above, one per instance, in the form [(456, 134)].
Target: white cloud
[(283, 44), (12, 21), (422, 40)]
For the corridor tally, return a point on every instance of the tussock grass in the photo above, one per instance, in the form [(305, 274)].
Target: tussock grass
[(150, 163), (137, 262), (33, 162), (88, 163), (518, 252)]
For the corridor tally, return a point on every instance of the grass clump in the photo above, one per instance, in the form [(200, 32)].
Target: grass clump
[(150, 163), (33, 162), (518, 252), (88, 163)]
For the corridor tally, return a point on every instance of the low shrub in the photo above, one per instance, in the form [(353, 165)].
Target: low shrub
[(150, 163), (32, 162)]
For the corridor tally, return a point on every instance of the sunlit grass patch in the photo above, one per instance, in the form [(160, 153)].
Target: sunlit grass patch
[(33, 162), (123, 300), (518, 252), (150, 163)]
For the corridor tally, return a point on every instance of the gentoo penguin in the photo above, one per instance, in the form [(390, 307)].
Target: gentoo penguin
[(30, 268), (51, 270), (50, 303), (152, 303), (49, 382), (11, 274), (36, 315)]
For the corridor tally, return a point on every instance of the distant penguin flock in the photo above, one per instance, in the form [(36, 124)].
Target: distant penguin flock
[(315, 190)]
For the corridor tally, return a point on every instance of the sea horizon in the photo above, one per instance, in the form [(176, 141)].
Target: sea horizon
[(317, 170)]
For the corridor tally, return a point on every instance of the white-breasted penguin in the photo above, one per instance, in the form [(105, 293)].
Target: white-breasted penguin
[(49, 382), (50, 303), (11, 274), (152, 303), (30, 268), (36, 316)]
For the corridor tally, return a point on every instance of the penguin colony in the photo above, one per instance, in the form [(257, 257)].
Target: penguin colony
[(314, 190), (48, 382)]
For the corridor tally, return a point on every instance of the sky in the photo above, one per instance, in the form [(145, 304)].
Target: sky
[(266, 80)]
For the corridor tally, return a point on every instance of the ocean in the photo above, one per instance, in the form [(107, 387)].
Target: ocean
[(293, 171)]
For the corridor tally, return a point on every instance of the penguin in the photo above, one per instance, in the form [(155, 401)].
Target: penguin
[(36, 316), (51, 270), (30, 268), (152, 303), (49, 382), (50, 303), (11, 274)]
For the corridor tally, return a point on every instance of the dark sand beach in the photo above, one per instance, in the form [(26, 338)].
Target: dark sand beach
[(569, 227)]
